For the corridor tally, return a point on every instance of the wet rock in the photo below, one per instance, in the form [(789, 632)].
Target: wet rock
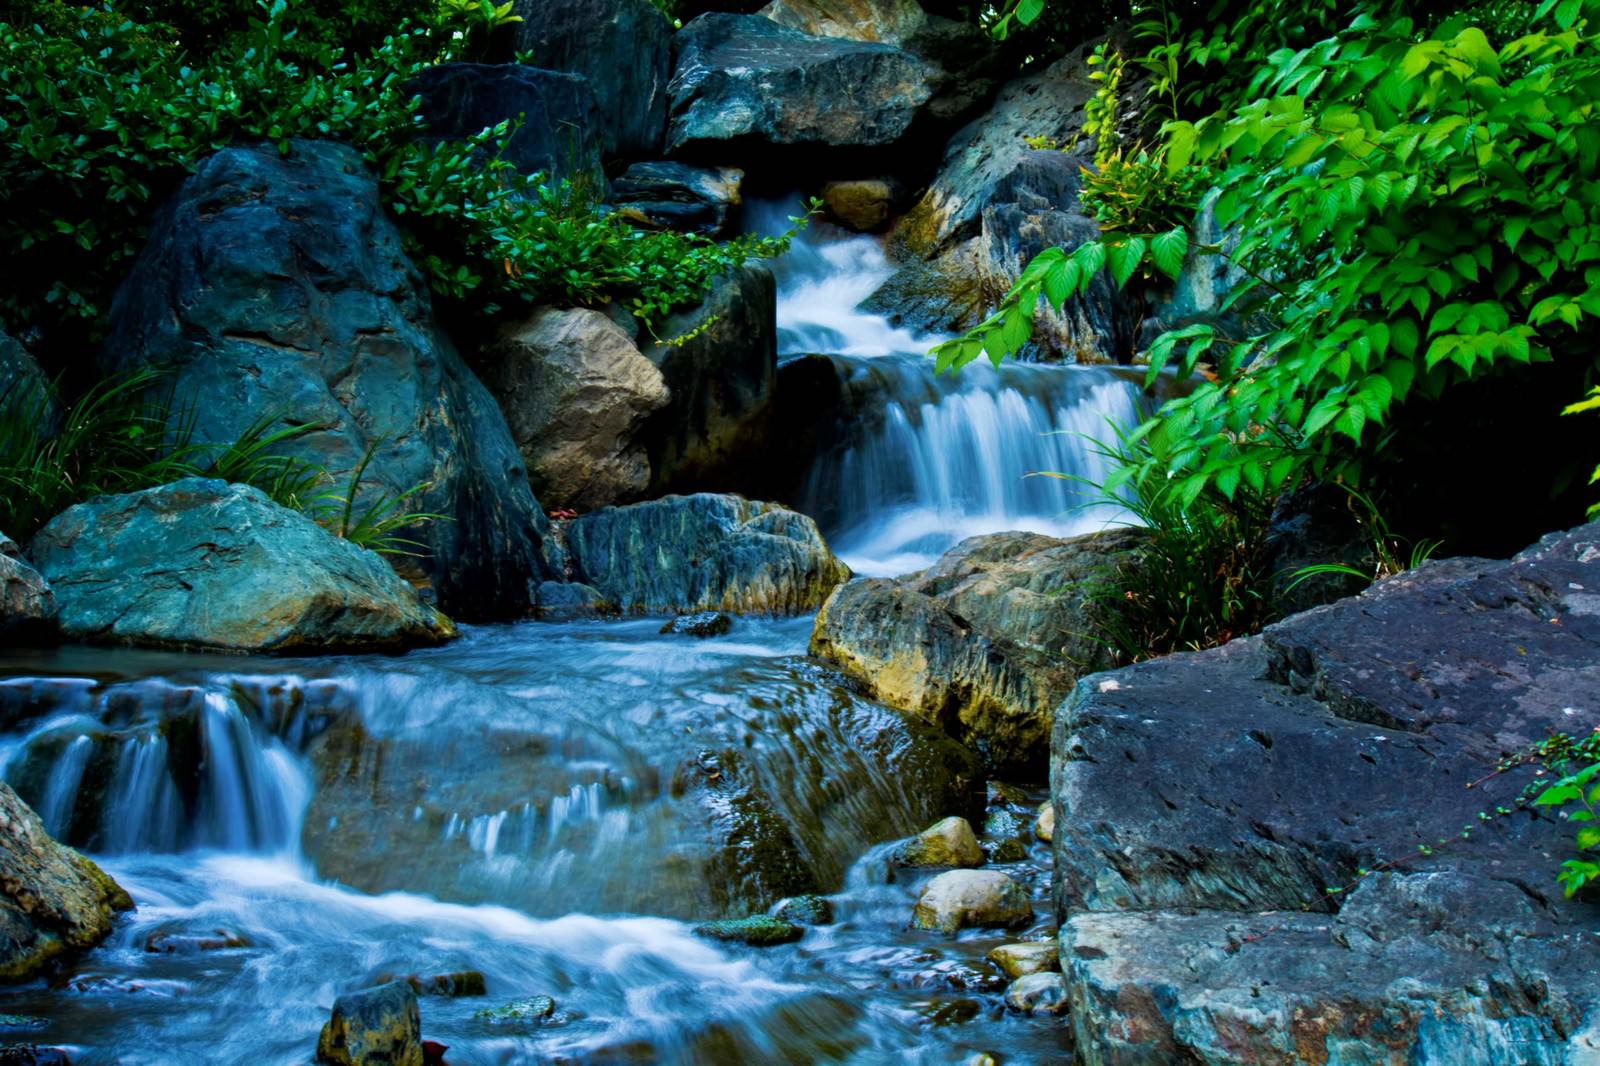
[(971, 898), (677, 196), (1006, 851), (25, 389), (1196, 917), (746, 78), (15, 1023), (174, 942), (863, 206), (1044, 827), (557, 132), (454, 985), (624, 50), (884, 21), (565, 601), (376, 1027), (985, 642), (204, 564), (720, 363), (53, 901), (704, 553), (34, 1055), (943, 1012), (704, 624), (804, 910), (1029, 957), (27, 603), (575, 392), (530, 1010), (757, 931), (277, 285), (949, 842), (1038, 993)]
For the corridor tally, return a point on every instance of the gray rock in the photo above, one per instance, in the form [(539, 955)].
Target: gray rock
[(964, 899), (1218, 809), (204, 564), (704, 552), (677, 196), (576, 392), (375, 1027), (520, 1013), (882, 21), (53, 901), (986, 641), (1037, 993), (25, 388), (704, 624), (1044, 827), (948, 842), (276, 286), (27, 604), (805, 910), (558, 131), (1029, 957), (746, 78), (563, 601), (721, 366), (623, 48)]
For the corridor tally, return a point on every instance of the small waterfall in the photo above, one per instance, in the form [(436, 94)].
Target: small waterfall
[(61, 790)]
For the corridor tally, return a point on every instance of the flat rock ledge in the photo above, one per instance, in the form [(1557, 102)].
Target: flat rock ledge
[(1215, 811)]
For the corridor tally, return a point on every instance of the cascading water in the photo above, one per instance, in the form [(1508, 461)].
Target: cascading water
[(933, 459)]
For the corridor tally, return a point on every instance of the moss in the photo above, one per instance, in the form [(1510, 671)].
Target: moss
[(757, 931), (530, 1010)]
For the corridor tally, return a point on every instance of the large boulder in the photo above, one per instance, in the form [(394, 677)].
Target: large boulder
[(278, 290), (623, 48), (720, 361), (27, 604), (677, 196), (24, 388), (557, 126), (704, 553), (53, 901), (986, 642), (205, 564), (374, 1027), (1292, 848), (745, 78), (575, 392)]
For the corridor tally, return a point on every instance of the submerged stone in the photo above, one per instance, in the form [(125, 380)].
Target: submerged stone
[(703, 624), (758, 930), (530, 1010)]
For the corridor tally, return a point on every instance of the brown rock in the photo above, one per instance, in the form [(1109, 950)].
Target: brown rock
[(861, 205)]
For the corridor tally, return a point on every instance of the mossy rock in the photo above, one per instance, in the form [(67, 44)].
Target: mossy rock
[(757, 931), (530, 1010), (804, 910)]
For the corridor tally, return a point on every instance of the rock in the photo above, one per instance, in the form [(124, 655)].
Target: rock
[(276, 285), (565, 601), (1006, 851), (721, 366), (177, 942), (1038, 993), (804, 910), (14, 1023), (575, 392), (677, 196), (745, 78), (704, 553), (863, 206), (758, 931), (883, 21), (558, 132), (27, 603), (1316, 525), (704, 624), (530, 1010), (1029, 957), (986, 641), (949, 842), (376, 1027), (1045, 826), (971, 898), (1218, 809), (457, 985), (25, 388), (34, 1055), (204, 564), (53, 901), (623, 48)]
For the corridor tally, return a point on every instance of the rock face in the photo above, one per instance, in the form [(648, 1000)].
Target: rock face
[(986, 641), (964, 899), (743, 77), (27, 604), (949, 842), (677, 196), (205, 564), (723, 377), (375, 1027), (622, 47), (559, 131), (52, 900), (277, 287), (575, 392), (884, 21), (1207, 804), (24, 385), (704, 552)]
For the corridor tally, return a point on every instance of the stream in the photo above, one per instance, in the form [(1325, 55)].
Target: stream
[(555, 806)]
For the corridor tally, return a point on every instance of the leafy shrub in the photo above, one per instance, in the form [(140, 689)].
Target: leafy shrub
[(1575, 795)]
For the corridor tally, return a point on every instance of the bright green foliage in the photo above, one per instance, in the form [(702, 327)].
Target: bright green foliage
[(1591, 404), (1411, 212), (202, 25), (1577, 796)]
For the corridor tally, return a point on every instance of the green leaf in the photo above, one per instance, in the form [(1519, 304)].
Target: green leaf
[(1169, 250), (1124, 259)]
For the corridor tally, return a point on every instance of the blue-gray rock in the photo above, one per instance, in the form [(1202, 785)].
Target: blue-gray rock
[(704, 552), (276, 287), (744, 78), (24, 388), (27, 604), (565, 601), (703, 624), (623, 47), (204, 564), (678, 196), (1209, 803), (558, 131), (374, 1027)]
